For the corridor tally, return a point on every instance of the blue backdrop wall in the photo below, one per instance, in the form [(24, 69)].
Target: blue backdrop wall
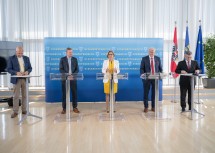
[(90, 53)]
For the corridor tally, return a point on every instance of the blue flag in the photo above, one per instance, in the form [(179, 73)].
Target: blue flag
[(199, 56), (187, 41)]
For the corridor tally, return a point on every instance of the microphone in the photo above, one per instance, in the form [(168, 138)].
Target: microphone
[(111, 70)]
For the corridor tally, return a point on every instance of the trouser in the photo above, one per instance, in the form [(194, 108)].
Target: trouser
[(183, 89), (73, 88), (21, 84), (147, 84)]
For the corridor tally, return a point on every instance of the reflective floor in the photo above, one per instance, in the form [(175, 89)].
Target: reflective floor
[(134, 134)]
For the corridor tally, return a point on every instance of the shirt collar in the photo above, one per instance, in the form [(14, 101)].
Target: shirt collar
[(69, 57)]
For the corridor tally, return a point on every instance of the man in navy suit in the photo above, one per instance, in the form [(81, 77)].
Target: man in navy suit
[(20, 65), (69, 64), (186, 66), (150, 64)]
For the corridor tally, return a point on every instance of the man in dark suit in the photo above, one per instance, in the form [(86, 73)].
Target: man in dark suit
[(3, 65), (150, 64), (20, 65), (69, 64), (186, 66)]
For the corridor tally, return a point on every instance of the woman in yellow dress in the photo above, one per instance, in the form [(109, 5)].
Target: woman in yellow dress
[(110, 66)]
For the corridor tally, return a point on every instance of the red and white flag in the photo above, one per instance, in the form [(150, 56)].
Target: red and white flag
[(174, 54)]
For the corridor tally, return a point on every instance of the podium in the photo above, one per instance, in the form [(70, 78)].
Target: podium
[(199, 76), (193, 110), (67, 77), (26, 77), (112, 115), (159, 114)]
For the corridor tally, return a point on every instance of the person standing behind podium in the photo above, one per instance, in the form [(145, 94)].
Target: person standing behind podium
[(69, 64), (186, 66), (150, 64), (110, 66), (19, 65)]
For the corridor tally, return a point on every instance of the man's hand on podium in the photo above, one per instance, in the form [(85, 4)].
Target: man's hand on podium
[(70, 77), (142, 75), (183, 72), (196, 72), (19, 73), (22, 73), (26, 73)]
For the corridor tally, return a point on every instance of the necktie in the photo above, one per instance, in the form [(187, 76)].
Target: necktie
[(188, 65), (152, 66)]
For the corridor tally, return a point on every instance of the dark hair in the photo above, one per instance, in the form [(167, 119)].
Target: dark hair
[(110, 51), (68, 48), (188, 52)]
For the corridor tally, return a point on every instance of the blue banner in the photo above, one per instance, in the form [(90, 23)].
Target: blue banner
[(91, 52)]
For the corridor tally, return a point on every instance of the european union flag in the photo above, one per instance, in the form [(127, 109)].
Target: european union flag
[(199, 56)]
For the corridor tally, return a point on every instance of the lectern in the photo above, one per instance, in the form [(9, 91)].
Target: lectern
[(193, 110), (158, 114), (111, 77), (67, 77), (26, 77)]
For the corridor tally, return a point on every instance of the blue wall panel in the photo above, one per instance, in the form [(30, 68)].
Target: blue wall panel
[(90, 53)]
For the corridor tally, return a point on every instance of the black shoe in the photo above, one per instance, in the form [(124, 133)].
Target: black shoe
[(183, 109), (63, 111), (13, 115)]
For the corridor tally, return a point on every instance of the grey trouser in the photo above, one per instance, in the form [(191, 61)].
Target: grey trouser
[(19, 85)]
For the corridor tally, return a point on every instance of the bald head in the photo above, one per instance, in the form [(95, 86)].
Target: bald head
[(19, 51), (151, 52)]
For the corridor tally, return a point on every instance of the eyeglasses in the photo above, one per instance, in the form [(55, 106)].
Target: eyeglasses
[(110, 54)]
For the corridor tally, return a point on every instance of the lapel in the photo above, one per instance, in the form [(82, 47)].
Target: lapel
[(191, 64), (67, 63), (17, 62), (148, 62), (24, 59)]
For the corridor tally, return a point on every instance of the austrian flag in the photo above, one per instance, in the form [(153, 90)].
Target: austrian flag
[(174, 55)]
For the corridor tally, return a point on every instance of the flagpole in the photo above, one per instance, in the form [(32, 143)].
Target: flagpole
[(198, 78), (174, 94)]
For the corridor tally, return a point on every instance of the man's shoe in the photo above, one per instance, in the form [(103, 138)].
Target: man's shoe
[(76, 110), (153, 109), (146, 110), (24, 112), (63, 111), (14, 115), (183, 109)]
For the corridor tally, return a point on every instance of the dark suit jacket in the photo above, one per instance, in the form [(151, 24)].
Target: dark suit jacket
[(13, 66), (3, 64), (64, 66), (145, 65), (182, 65)]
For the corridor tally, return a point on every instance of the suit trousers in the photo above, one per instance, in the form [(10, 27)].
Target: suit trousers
[(184, 89), (73, 88), (21, 84), (147, 84)]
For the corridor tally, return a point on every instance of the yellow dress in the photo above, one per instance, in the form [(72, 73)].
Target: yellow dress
[(107, 85)]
